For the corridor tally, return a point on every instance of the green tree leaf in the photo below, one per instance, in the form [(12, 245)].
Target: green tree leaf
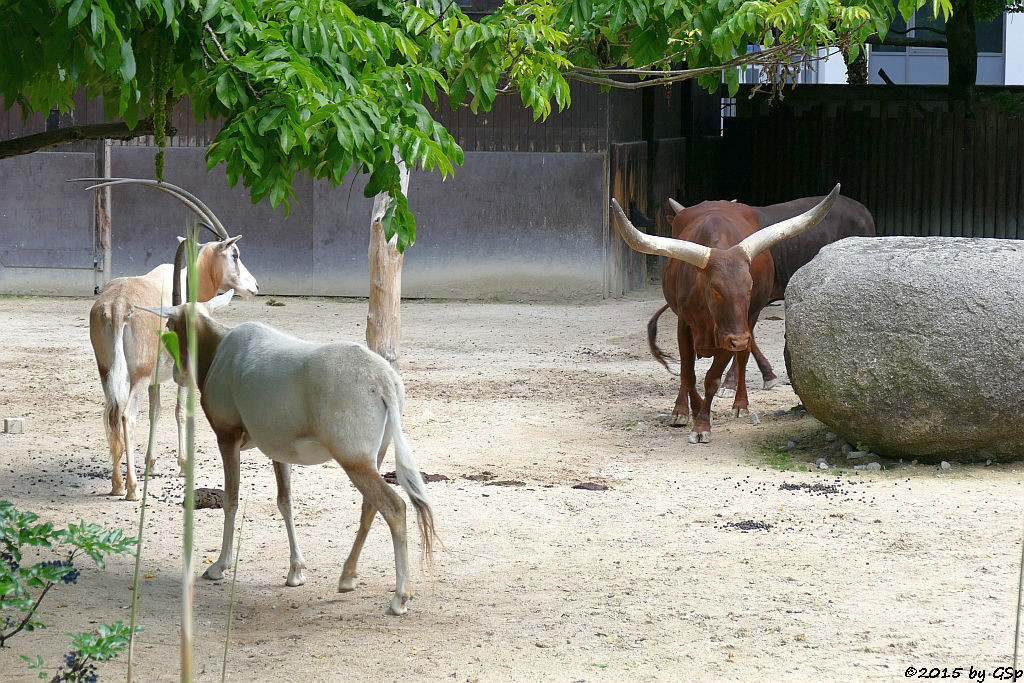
[(322, 87)]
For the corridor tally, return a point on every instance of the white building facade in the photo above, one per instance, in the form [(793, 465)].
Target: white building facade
[(1000, 56)]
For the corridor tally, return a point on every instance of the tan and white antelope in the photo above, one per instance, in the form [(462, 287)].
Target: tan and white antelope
[(304, 403), (126, 341)]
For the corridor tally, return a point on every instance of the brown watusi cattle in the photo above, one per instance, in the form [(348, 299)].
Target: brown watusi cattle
[(719, 276), (847, 218)]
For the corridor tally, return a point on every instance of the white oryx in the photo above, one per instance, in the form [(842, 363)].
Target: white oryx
[(304, 403), (126, 342)]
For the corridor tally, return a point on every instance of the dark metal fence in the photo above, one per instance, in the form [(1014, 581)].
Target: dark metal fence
[(919, 168)]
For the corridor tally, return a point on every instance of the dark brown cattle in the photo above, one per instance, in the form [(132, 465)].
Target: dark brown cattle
[(719, 276), (847, 218)]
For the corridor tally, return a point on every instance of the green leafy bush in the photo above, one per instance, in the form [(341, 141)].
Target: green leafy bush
[(23, 587)]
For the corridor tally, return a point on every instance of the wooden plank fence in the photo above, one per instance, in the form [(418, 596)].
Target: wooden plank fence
[(919, 172), (510, 127), (628, 177)]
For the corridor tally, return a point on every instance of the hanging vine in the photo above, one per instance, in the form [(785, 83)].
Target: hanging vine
[(161, 89)]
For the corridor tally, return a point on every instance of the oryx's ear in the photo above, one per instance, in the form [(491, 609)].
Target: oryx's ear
[(180, 239), (162, 311), (228, 242), (221, 300)]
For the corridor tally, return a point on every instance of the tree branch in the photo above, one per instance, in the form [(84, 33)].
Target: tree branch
[(28, 616), (216, 42), (440, 16), (224, 56), (610, 77), (918, 28), (95, 131)]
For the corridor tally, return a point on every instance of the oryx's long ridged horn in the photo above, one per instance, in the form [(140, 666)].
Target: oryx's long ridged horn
[(176, 273), (210, 228), (675, 206), (195, 204), (773, 234), (691, 252)]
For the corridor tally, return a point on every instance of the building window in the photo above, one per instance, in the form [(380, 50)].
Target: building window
[(927, 65), (897, 28)]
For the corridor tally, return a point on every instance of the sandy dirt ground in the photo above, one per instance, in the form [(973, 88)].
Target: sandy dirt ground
[(697, 562)]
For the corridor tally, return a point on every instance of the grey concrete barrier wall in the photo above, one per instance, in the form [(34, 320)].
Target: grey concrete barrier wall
[(529, 225), (46, 225)]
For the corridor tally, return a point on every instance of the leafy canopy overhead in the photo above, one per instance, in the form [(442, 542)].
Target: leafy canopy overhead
[(324, 86)]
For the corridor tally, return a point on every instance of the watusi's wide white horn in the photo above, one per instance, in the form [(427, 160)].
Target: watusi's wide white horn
[(691, 252), (773, 234)]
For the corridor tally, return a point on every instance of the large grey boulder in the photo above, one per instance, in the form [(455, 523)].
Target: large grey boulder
[(913, 346)]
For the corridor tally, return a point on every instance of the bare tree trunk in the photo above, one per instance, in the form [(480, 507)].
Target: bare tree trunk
[(962, 54), (103, 211), (857, 68), (384, 319)]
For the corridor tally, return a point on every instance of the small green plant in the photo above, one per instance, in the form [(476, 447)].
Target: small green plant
[(23, 587), (777, 458), (863, 447), (86, 648)]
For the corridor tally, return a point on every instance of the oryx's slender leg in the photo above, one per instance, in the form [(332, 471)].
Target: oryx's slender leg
[(128, 424), (113, 424), (347, 581), (154, 416), (116, 480), (296, 565), (229, 444), (376, 491), (179, 416), (701, 432)]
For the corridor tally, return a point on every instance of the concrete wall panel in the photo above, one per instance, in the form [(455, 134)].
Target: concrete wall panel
[(510, 224), (276, 248), (46, 225), (507, 224)]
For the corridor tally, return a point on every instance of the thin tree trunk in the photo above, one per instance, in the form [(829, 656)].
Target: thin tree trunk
[(384, 319), (962, 54), (103, 210), (857, 68)]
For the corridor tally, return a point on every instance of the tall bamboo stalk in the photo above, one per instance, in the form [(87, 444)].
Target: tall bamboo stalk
[(188, 574), (1020, 606), (231, 600), (154, 409)]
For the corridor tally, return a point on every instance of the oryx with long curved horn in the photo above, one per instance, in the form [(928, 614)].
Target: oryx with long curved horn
[(126, 341), (719, 276)]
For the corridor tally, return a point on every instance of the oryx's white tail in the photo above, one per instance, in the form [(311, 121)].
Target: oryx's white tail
[(410, 479), (116, 390)]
